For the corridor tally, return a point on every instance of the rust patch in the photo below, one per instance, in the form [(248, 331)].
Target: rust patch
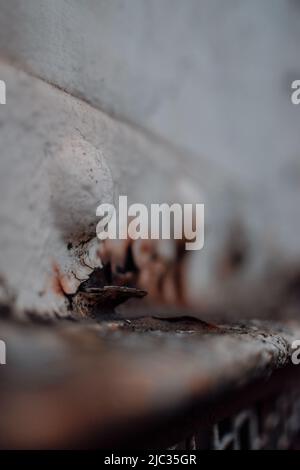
[(56, 282), (98, 301), (134, 269)]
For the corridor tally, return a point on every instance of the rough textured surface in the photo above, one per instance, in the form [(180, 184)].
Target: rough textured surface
[(188, 102), (211, 77), (75, 385), (60, 159)]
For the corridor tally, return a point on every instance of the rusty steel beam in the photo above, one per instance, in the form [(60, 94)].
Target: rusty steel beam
[(74, 385)]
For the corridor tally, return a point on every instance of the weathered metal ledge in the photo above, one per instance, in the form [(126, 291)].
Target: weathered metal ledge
[(140, 383)]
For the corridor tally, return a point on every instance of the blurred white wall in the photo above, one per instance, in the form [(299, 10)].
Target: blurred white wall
[(210, 78)]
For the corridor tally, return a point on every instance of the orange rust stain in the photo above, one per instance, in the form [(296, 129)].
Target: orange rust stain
[(56, 284)]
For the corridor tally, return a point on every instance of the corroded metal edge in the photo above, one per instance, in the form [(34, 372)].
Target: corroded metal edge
[(63, 385)]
